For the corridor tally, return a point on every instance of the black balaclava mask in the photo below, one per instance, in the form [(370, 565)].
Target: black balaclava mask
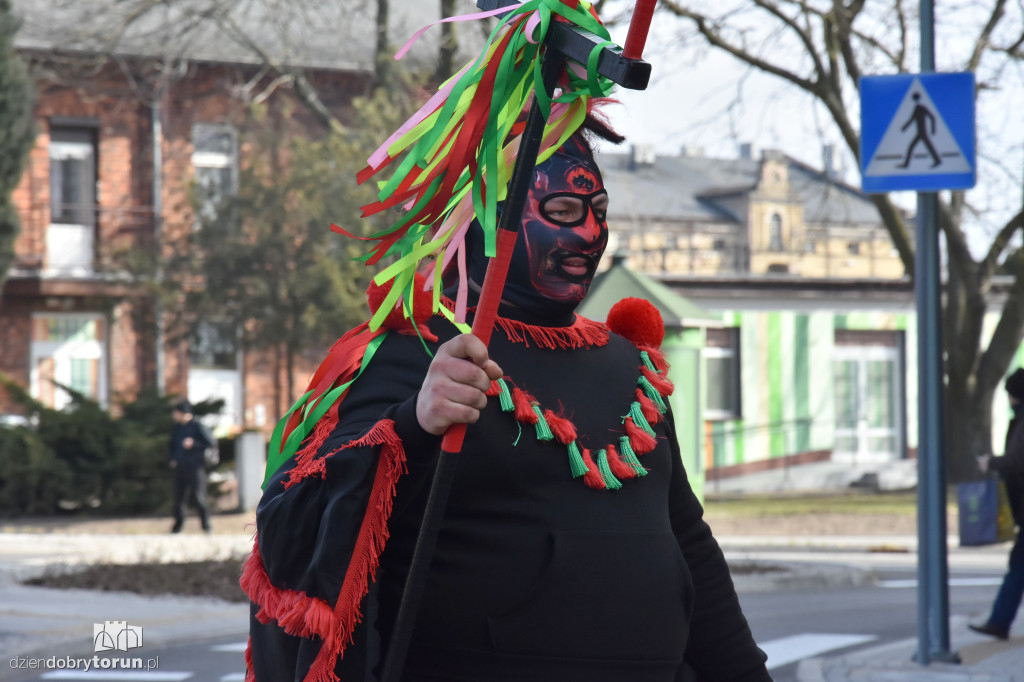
[(561, 240)]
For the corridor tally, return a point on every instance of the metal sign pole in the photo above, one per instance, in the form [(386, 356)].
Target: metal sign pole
[(932, 571)]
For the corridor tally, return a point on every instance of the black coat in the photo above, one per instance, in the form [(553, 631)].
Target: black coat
[(1011, 468), (193, 457), (536, 576)]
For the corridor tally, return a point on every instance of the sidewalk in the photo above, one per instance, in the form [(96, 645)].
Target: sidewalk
[(41, 622), (982, 660), (837, 561)]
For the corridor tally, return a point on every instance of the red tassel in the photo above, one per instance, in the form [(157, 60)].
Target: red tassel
[(524, 406), (618, 467), (250, 672), (593, 477), (657, 358), (641, 441), (563, 429), (659, 381), (493, 390), (651, 412)]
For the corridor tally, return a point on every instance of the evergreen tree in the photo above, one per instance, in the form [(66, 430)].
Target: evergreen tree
[(17, 132)]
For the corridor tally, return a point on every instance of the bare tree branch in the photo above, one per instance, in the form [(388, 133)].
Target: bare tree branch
[(999, 244), (702, 24), (985, 38), (306, 92)]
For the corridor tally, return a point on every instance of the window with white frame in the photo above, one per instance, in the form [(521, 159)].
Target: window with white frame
[(70, 236), (722, 364), (215, 164), (68, 350)]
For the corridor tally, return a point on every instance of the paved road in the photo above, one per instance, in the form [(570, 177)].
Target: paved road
[(216, 660), (793, 625)]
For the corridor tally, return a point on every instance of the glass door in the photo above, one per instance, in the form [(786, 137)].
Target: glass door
[(866, 401)]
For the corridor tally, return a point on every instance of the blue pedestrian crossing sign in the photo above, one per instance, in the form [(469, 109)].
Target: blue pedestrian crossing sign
[(917, 132)]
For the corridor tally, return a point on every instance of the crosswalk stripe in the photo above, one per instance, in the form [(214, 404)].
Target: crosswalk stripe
[(119, 675), (233, 677), (794, 648), (236, 647), (953, 582)]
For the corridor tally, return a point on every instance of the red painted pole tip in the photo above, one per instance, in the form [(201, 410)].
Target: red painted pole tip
[(643, 13)]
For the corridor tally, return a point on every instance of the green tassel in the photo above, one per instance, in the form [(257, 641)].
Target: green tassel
[(647, 361), (637, 413), (543, 430), (606, 471), (505, 398), (629, 457), (652, 393), (576, 463)]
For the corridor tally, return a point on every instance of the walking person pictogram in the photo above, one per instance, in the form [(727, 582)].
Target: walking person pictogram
[(922, 117)]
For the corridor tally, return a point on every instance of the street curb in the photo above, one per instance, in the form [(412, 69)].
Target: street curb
[(766, 576)]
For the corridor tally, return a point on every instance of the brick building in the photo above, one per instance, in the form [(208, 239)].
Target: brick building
[(125, 137)]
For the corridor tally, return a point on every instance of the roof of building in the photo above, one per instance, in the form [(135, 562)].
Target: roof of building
[(698, 189), (337, 35), (619, 282)]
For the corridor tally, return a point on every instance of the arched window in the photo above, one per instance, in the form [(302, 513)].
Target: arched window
[(775, 233)]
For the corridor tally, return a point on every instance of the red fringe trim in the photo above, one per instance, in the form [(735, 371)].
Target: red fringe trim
[(651, 412), (250, 672), (296, 612), (641, 441), (583, 333), (659, 381), (618, 467), (305, 464), (593, 477), (300, 615), (564, 430), (373, 535)]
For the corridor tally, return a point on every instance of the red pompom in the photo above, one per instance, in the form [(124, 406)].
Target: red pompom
[(637, 320), (421, 304)]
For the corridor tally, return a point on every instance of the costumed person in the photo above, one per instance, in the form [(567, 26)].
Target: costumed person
[(1011, 469), (572, 547), (187, 457)]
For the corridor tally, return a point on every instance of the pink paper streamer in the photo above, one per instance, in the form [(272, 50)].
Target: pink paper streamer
[(381, 154), (461, 17), (462, 297)]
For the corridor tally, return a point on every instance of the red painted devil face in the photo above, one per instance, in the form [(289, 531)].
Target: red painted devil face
[(563, 236), (564, 228)]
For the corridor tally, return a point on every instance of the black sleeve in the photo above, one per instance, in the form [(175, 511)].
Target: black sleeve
[(1012, 461), (721, 647), (307, 526)]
